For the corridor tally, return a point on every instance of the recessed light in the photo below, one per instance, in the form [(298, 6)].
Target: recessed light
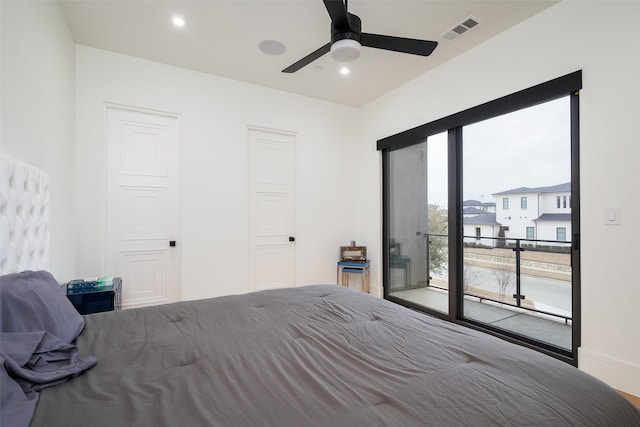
[(272, 47), (178, 21), (344, 71)]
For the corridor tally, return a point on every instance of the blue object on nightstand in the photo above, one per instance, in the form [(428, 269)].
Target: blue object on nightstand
[(354, 267)]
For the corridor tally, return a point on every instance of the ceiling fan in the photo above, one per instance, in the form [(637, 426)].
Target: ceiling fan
[(347, 38)]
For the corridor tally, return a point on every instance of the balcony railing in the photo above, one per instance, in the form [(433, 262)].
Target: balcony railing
[(540, 268)]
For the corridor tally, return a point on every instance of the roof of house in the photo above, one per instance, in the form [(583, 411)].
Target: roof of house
[(472, 211), (483, 219), (560, 188), (472, 202), (554, 217)]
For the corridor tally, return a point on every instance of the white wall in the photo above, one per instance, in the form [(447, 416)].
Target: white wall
[(38, 98), (601, 39), (215, 113)]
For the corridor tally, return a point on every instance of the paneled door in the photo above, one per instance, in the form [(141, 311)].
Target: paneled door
[(271, 209), (142, 227)]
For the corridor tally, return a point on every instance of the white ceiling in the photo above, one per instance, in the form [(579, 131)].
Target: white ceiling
[(222, 37)]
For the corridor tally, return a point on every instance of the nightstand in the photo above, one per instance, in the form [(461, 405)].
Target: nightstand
[(345, 268), (95, 296)]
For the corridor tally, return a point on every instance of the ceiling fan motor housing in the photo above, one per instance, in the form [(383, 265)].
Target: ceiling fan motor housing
[(352, 33)]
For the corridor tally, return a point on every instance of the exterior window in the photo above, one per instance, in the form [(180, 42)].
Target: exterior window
[(530, 233), (561, 234), (442, 254)]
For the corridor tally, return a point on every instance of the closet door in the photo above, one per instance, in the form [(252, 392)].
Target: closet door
[(271, 209), (143, 241)]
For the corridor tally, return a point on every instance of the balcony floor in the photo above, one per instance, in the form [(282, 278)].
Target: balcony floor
[(535, 325)]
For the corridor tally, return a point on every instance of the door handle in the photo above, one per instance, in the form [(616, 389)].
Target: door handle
[(172, 243), (292, 239)]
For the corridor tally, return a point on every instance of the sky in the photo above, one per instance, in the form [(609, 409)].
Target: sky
[(526, 148)]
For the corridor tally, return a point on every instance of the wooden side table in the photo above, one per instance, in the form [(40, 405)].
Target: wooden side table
[(345, 268)]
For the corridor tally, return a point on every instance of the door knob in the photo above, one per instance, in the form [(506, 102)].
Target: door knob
[(292, 239), (172, 243)]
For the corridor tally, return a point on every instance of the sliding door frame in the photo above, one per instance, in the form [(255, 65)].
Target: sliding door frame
[(568, 85)]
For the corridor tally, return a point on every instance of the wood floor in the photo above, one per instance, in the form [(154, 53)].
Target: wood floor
[(633, 399)]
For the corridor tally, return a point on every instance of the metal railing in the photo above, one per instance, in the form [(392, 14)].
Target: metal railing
[(518, 246)]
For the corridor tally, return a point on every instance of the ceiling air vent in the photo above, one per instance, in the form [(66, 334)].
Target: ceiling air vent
[(460, 28)]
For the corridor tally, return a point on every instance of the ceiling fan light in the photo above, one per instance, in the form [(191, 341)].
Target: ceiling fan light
[(345, 50)]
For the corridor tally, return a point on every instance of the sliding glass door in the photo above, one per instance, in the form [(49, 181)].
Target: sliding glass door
[(481, 217), (517, 236), (418, 243)]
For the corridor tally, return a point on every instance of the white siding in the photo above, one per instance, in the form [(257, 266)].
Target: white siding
[(516, 218), (485, 231), (547, 229)]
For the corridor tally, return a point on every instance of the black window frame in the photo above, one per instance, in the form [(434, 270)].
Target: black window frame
[(567, 85)]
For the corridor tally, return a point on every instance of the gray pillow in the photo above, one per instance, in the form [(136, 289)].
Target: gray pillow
[(33, 301)]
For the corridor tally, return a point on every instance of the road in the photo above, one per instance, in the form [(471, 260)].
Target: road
[(548, 294)]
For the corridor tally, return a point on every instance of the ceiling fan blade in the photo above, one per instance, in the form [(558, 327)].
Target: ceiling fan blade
[(308, 59), (399, 44), (338, 13)]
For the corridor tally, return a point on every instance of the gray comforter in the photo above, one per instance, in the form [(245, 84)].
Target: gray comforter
[(37, 327), (316, 356)]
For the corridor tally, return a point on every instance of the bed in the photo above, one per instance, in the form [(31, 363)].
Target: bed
[(319, 355)]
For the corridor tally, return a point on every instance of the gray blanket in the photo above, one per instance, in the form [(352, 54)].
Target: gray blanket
[(316, 356), (38, 325)]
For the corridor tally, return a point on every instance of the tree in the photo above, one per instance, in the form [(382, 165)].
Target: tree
[(469, 278), (438, 244), (500, 243), (504, 275)]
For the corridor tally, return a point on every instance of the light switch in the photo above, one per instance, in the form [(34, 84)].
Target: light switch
[(612, 216)]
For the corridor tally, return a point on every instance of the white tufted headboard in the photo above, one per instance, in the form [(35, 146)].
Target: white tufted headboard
[(24, 217)]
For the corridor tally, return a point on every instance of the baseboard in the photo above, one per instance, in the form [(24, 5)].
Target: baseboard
[(618, 374)]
